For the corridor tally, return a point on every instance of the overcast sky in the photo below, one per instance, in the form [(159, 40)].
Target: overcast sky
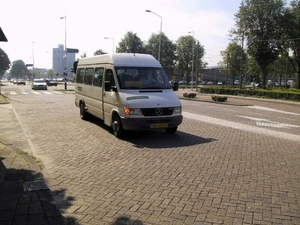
[(34, 27)]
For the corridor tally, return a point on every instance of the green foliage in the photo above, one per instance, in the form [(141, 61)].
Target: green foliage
[(18, 69), (131, 43), (50, 73), (99, 52), (188, 50), (219, 98), (232, 57), (167, 54), (261, 93), (261, 23), (4, 62)]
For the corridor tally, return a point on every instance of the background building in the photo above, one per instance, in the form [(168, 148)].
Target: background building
[(58, 61)]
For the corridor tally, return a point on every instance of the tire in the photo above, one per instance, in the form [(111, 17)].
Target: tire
[(117, 127), (83, 113), (171, 130)]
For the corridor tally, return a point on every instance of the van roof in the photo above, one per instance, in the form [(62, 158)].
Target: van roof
[(122, 59)]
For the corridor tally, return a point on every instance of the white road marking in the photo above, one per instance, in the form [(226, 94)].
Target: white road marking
[(57, 92), (13, 92), (35, 92), (244, 127), (47, 92), (270, 109), (269, 123)]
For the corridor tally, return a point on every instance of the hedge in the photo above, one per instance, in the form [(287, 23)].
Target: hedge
[(261, 93)]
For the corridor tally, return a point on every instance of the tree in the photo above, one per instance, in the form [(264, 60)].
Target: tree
[(83, 55), (260, 23), (233, 56), (18, 69), (131, 43), (292, 31), (50, 73), (4, 62), (99, 52), (189, 54), (167, 55)]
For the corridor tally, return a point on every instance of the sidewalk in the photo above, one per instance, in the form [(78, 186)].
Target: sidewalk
[(288, 106), (32, 203), (24, 194)]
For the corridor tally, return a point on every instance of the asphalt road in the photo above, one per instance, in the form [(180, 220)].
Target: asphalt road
[(226, 164)]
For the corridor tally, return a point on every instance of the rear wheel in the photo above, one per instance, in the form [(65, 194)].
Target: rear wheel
[(117, 127), (171, 130)]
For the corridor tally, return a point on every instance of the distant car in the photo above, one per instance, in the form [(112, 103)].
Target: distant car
[(237, 82), (210, 83), (21, 81), (15, 81), (182, 82), (220, 83), (203, 82), (192, 82), (39, 84), (51, 82)]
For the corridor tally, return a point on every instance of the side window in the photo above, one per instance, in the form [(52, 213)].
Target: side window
[(98, 75), (79, 75), (88, 78), (109, 77)]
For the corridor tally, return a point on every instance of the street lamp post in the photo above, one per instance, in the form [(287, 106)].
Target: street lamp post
[(160, 34), (66, 52), (113, 40), (32, 60), (193, 63)]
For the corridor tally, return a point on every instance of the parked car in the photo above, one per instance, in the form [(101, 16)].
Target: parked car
[(210, 83), (21, 81), (203, 82), (182, 82), (39, 84), (220, 83), (192, 82), (237, 82), (51, 82)]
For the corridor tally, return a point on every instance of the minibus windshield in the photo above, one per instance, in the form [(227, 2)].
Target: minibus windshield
[(142, 78)]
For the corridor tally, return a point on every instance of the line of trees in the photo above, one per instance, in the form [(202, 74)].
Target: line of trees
[(271, 31), (183, 56), (266, 31)]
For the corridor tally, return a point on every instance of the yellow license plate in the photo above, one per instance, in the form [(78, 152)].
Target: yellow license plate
[(159, 125)]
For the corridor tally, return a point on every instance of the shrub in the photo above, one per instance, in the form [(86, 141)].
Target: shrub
[(219, 98)]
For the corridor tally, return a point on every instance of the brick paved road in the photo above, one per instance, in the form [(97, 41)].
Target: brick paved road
[(204, 174)]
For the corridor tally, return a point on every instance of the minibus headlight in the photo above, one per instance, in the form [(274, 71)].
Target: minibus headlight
[(177, 110), (129, 111)]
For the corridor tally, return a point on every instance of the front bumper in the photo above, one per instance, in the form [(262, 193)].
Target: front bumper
[(150, 123)]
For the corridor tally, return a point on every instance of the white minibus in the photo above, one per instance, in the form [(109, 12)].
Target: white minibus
[(128, 91)]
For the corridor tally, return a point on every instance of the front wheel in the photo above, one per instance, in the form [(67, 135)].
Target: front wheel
[(171, 130), (117, 127), (83, 113)]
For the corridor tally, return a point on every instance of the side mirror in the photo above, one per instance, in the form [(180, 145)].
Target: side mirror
[(75, 66), (109, 87), (176, 86)]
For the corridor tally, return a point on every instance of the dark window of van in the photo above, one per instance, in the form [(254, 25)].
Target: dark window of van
[(79, 76), (89, 74), (98, 77)]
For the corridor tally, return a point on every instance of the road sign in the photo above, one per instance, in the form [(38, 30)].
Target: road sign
[(72, 50)]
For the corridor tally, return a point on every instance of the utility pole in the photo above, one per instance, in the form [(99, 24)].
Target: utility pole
[(227, 72), (241, 70)]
